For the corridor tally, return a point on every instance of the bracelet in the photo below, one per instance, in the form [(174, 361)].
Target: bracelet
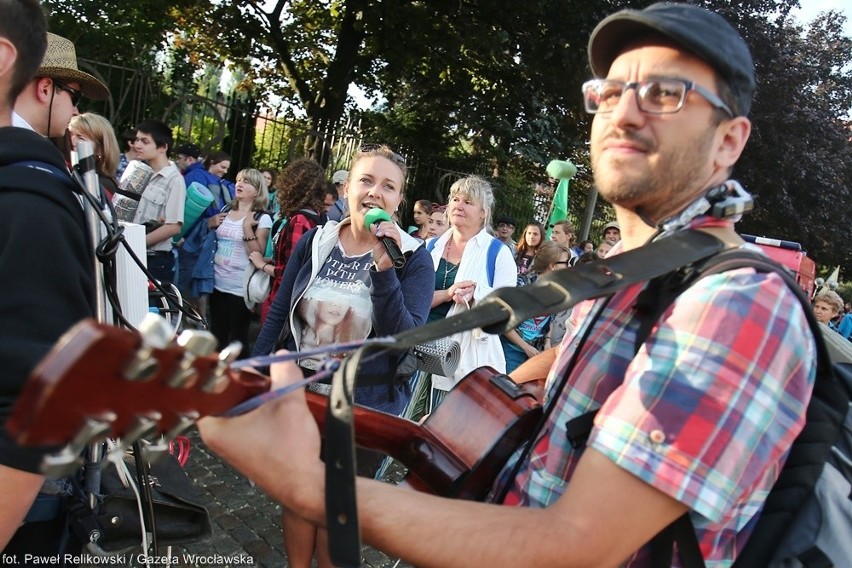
[(251, 238), (376, 262), (265, 264)]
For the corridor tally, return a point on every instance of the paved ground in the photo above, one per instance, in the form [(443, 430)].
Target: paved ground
[(246, 523), (245, 520)]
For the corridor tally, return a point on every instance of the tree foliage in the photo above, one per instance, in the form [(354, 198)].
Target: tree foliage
[(492, 87)]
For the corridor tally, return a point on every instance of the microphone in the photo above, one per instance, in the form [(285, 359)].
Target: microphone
[(374, 216)]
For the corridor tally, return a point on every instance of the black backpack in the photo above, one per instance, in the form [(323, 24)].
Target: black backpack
[(807, 517)]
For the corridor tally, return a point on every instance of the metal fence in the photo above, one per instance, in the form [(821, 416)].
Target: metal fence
[(252, 134), (270, 137)]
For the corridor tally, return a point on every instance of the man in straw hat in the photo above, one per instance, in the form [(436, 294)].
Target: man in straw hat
[(37, 306), (688, 423), (48, 102)]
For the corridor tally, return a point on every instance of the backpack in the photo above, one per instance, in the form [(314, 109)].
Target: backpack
[(806, 519), (491, 263), (273, 236)]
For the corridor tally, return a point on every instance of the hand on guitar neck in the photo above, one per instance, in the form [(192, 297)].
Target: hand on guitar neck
[(101, 381)]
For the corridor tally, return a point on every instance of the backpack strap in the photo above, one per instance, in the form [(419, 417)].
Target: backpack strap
[(491, 266)]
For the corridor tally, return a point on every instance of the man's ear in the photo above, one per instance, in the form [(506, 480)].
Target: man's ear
[(44, 89), (732, 137), (8, 56)]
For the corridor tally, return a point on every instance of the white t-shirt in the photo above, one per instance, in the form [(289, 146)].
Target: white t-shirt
[(231, 257)]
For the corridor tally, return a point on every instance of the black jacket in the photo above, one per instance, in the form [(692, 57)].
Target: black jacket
[(47, 268)]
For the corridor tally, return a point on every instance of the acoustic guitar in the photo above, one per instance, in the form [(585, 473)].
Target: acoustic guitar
[(101, 381)]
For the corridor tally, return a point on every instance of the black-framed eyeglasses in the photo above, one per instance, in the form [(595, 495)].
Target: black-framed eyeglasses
[(75, 94), (568, 262), (376, 148), (653, 96)]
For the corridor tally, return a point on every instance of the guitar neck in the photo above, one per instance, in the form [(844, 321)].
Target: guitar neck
[(433, 467)]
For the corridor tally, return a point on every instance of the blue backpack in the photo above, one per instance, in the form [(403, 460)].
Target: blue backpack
[(491, 263)]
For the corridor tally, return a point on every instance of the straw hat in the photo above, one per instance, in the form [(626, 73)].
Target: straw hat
[(60, 63)]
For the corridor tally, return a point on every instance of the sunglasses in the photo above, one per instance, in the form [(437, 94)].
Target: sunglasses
[(381, 149), (76, 95)]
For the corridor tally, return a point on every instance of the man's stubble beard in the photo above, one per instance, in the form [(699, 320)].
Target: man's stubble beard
[(670, 180)]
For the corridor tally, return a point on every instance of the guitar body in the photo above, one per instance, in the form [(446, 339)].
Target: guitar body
[(101, 373), (461, 447)]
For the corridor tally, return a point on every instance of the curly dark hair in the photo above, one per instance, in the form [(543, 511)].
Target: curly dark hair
[(300, 185)]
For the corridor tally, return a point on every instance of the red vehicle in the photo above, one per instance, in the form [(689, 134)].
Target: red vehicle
[(792, 256)]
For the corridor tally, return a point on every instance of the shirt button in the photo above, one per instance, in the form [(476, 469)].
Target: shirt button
[(657, 436)]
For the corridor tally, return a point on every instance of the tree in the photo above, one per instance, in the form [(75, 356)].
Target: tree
[(798, 162)]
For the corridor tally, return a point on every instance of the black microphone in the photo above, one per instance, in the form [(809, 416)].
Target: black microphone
[(374, 216)]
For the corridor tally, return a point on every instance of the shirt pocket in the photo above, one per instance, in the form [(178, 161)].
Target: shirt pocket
[(156, 195)]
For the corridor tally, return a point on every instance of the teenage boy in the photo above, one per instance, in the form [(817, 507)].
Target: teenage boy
[(163, 200)]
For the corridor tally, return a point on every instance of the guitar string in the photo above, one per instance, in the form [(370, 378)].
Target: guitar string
[(266, 360), (329, 368)]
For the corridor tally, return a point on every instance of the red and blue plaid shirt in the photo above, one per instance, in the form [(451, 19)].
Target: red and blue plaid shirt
[(705, 411)]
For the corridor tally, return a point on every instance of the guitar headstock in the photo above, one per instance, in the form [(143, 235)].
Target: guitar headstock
[(100, 381)]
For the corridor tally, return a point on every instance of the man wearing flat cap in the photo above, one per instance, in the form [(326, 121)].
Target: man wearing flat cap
[(48, 102), (688, 424)]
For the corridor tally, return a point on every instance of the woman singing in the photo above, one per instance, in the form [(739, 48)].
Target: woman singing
[(345, 263)]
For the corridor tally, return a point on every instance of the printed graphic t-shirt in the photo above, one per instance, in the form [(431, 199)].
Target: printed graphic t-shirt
[(336, 307)]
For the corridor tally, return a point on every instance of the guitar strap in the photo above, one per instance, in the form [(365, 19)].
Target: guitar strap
[(501, 310)]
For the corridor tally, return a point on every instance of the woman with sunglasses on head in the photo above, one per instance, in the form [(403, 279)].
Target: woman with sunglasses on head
[(534, 335), (347, 262)]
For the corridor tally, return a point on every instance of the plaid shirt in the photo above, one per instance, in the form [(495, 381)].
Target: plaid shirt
[(705, 412)]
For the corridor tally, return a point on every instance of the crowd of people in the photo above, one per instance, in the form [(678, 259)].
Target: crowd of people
[(672, 91)]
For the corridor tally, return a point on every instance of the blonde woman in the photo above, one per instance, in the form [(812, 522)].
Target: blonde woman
[(239, 232), (94, 128), (463, 277)]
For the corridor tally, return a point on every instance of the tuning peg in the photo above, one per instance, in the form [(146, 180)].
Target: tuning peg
[(142, 427), (68, 459), (219, 377), (156, 333), (195, 344)]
